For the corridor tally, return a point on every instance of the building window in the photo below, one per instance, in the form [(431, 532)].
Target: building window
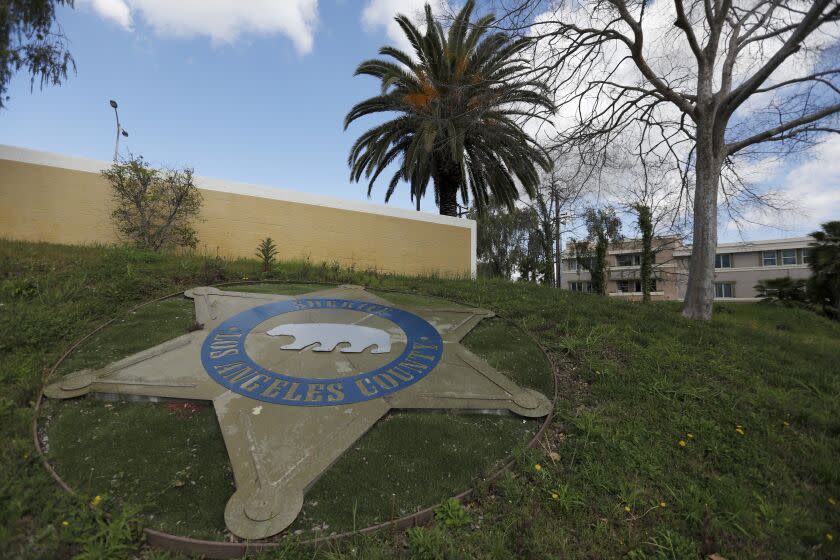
[(634, 286), (581, 287), (806, 256), (789, 256), (723, 290), (768, 258), (634, 259), (723, 261)]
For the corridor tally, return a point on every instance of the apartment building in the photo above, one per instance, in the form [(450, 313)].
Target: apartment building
[(738, 268)]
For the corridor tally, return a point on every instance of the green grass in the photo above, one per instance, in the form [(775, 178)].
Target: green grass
[(171, 465), (635, 380)]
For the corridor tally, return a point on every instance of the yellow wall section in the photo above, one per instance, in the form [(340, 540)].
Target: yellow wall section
[(59, 205)]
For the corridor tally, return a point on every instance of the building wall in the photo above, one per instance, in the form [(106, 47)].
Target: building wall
[(748, 266), (60, 199), (671, 268), (744, 280)]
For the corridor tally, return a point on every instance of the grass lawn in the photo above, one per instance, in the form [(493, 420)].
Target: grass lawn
[(754, 395)]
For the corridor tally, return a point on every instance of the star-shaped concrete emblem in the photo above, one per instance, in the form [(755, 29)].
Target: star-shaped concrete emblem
[(296, 380)]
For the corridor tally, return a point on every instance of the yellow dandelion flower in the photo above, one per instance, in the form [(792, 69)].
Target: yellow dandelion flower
[(65, 523), (832, 501), (96, 500), (785, 423), (829, 537), (740, 430), (663, 504), (555, 496), (538, 467), (690, 436), (627, 509), (682, 443)]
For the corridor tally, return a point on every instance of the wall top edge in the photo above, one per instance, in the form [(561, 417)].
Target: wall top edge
[(76, 163), (755, 246)]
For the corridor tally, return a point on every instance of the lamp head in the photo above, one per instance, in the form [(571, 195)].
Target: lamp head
[(113, 104)]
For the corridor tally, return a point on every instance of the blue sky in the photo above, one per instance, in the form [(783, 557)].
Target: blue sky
[(257, 91), (256, 109)]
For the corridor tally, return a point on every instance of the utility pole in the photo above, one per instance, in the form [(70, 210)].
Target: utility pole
[(558, 263), (559, 220), (120, 131)]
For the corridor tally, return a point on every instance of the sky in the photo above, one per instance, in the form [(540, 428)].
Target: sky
[(256, 92)]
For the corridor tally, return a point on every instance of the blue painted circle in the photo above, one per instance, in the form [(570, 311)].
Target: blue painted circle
[(226, 361)]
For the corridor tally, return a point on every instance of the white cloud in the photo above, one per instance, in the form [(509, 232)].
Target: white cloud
[(815, 184), (220, 20), (381, 13), (810, 189), (114, 10)]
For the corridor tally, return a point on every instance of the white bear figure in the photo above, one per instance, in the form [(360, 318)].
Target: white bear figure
[(328, 335)]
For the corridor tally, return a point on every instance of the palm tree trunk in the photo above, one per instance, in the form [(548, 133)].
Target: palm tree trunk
[(449, 202), (446, 183)]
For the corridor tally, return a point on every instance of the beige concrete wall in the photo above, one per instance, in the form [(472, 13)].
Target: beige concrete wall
[(59, 199)]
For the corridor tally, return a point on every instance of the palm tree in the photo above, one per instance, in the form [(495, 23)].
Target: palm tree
[(456, 103), (825, 264)]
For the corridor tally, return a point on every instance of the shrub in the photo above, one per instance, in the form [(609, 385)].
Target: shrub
[(782, 289), (154, 209), (266, 251)]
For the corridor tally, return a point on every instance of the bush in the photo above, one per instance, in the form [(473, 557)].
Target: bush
[(154, 209), (782, 289)]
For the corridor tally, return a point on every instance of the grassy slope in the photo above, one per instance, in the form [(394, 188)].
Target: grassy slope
[(635, 381), (174, 466)]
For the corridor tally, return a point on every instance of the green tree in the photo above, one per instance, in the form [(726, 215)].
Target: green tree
[(153, 209), (501, 239), (456, 106), (603, 227), (30, 38), (645, 221), (824, 285)]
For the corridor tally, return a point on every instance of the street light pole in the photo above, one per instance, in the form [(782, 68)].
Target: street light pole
[(120, 130)]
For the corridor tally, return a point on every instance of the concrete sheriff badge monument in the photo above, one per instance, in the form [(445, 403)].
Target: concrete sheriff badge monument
[(296, 380)]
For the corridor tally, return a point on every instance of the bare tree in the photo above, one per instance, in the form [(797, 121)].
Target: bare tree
[(554, 206), (651, 190), (700, 82)]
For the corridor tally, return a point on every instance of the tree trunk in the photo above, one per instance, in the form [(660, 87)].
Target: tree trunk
[(448, 202), (558, 252), (547, 246), (446, 183), (701, 273)]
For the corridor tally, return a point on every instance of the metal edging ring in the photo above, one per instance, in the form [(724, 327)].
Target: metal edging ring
[(226, 550)]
